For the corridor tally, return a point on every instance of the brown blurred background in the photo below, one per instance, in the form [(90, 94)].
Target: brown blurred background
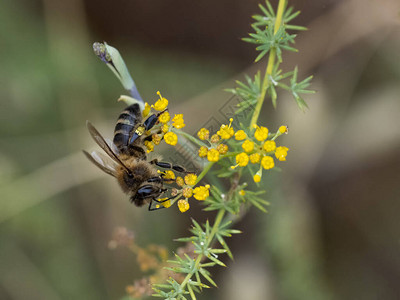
[(332, 231)]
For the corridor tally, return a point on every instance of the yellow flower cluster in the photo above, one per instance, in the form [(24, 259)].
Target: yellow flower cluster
[(165, 124), (164, 117), (226, 131), (161, 103), (240, 135), (178, 121), (258, 149), (216, 148), (183, 205), (213, 155), (201, 192), (190, 179), (203, 134), (146, 110), (171, 138), (169, 174), (187, 190), (281, 153)]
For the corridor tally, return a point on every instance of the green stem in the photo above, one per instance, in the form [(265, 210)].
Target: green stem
[(270, 67), (204, 172), (210, 164), (218, 220), (265, 84), (230, 154), (214, 230), (189, 137)]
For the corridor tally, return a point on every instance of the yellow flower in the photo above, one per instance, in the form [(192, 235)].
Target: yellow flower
[(226, 131), (164, 128), (261, 133), (164, 117), (257, 178), (169, 174), (146, 110), (242, 159), (187, 192), (213, 155), (269, 146), (179, 181), (201, 192), (240, 135), (203, 151), (281, 153), (178, 121), (242, 192), (203, 134), (166, 204), (190, 179), (215, 138), (171, 138), (156, 139), (183, 205), (255, 158), (149, 145), (267, 162), (222, 148), (284, 129), (161, 103), (248, 146)]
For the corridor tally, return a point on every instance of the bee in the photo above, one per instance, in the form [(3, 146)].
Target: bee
[(127, 159)]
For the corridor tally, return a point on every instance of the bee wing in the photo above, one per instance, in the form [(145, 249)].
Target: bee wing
[(112, 146), (102, 162), (103, 144)]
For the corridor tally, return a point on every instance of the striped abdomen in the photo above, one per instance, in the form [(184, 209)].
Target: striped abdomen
[(127, 121)]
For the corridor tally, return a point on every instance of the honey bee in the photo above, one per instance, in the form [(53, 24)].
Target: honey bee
[(127, 159)]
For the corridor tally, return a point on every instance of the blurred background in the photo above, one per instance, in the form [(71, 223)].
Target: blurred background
[(332, 231)]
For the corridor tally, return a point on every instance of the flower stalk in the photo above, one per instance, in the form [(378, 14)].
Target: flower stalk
[(210, 239), (270, 67)]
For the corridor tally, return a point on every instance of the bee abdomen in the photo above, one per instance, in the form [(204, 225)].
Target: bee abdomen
[(126, 123)]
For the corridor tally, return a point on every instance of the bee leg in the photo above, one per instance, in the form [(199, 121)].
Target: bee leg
[(156, 208), (162, 179), (153, 208), (158, 179), (148, 138), (168, 181), (152, 120), (147, 125), (167, 165), (161, 201), (149, 191)]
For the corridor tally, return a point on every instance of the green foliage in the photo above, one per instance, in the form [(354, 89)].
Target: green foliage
[(269, 17), (269, 40), (297, 88), (249, 91), (267, 37), (272, 41), (203, 240)]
